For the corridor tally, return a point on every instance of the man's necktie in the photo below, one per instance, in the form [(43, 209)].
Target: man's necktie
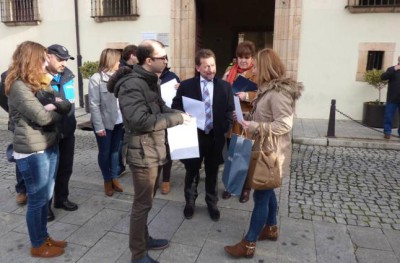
[(207, 102)]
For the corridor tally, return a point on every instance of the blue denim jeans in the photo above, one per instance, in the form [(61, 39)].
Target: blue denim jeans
[(390, 110), (38, 171), (264, 213), (20, 186), (109, 152)]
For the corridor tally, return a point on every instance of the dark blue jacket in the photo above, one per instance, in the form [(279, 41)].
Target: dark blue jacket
[(63, 85)]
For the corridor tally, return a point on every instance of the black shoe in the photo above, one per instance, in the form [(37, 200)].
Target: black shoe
[(156, 244), (214, 212), (145, 259), (66, 205), (50, 215), (226, 195), (245, 196), (188, 211)]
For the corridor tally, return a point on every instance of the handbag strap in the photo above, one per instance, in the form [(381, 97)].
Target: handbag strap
[(262, 136)]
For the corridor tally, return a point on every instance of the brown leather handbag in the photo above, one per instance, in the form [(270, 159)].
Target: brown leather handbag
[(264, 169)]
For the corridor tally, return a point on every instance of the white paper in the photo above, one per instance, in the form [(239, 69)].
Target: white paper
[(183, 141), (163, 38), (168, 91), (148, 35), (196, 109), (238, 109)]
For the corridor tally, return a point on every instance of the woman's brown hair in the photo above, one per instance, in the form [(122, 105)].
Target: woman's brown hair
[(108, 58), (27, 65), (269, 66), (246, 49)]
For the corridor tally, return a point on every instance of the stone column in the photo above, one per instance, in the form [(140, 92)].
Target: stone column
[(183, 35), (287, 33)]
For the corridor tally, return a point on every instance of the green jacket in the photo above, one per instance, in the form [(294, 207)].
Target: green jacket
[(29, 117), (145, 116)]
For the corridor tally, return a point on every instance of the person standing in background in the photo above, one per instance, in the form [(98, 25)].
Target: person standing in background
[(107, 120), (218, 100), (392, 74), (245, 53), (63, 85), (166, 76), (129, 58), (21, 197)]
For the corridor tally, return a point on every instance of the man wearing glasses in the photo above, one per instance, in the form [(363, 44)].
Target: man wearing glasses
[(63, 85), (145, 120)]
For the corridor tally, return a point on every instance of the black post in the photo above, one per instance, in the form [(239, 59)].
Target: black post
[(79, 56), (332, 117)]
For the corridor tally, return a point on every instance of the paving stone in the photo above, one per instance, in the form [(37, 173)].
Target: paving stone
[(108, 249), (333, 243), (365, 255), (364, 237), (296, 239)]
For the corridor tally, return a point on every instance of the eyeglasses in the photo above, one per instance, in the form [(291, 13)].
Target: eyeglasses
[(164, 58)]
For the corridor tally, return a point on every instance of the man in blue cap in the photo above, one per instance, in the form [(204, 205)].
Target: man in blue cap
[(63, 85)]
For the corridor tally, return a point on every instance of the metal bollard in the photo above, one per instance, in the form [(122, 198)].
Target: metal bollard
[(332, 118)]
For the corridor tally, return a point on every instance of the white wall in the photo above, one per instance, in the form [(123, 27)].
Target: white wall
[(330, 36), (58, 26)]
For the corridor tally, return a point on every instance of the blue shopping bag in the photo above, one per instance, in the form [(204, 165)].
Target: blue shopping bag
[(237, 164)]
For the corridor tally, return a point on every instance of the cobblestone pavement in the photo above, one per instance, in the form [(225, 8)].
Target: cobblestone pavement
[(327, 184), (352, 186)]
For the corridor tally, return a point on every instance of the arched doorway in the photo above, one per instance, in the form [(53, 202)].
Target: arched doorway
[(219, 24)]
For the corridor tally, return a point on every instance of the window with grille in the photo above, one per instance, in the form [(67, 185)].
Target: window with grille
[(117, 9), (379, 2), (373, 6), (19, 11), (375, 60)]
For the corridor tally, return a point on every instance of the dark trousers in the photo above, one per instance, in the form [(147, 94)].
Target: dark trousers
[(212, 156), (64, 170)]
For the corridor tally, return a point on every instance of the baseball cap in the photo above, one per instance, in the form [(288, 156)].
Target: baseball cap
[(59, 51)]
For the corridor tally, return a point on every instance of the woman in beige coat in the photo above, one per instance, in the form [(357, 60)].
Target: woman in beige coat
[(274, 106)]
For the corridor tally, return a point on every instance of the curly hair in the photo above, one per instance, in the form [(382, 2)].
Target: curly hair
[(27, 65)]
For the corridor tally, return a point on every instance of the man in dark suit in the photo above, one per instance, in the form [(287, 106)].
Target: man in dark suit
[(218, 98)]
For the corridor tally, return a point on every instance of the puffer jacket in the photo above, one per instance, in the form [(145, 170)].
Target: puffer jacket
[(275, 105), (29, 117), (145, 116)]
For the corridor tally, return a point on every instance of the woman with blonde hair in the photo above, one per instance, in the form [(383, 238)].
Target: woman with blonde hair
[(35, 144), (107, 120), (274, 108)]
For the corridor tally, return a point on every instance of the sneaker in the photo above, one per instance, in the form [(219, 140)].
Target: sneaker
[(386, 136), (145, 259), (21, 198), (157, 244)]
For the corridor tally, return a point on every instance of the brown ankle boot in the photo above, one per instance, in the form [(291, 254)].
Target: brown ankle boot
[(108, 188), (116, 185), (242, 249), (46, 251), (165, 188), (56, 243), (270, 233)]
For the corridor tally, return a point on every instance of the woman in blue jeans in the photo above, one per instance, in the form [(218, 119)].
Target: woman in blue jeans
[(273, 108), (35, 141), (107, 120)]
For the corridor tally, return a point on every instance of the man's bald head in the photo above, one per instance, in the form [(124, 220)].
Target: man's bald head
[(146, 49)]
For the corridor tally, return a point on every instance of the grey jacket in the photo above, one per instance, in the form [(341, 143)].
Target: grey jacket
[(103, 104), (145, 116), (29, 117)]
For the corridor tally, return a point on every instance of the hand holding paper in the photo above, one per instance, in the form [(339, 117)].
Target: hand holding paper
[(238, 109)]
